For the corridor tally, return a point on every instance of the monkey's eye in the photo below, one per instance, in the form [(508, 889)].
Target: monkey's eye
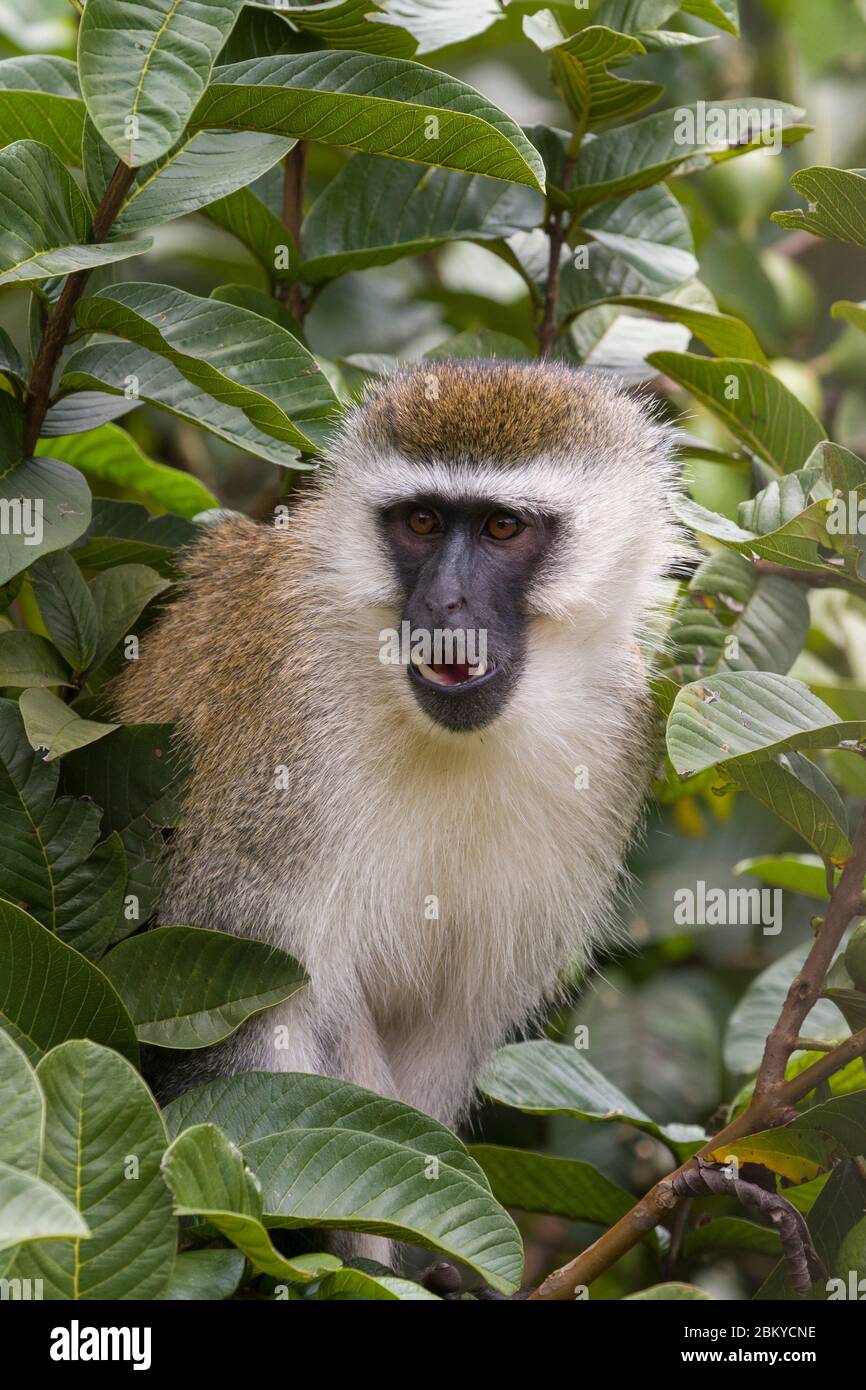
[(423, 522), (501, 526)]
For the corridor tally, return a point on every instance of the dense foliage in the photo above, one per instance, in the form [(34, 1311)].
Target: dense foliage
[(217, 221)]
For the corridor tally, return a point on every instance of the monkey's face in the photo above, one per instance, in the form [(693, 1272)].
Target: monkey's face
[(465, 568)]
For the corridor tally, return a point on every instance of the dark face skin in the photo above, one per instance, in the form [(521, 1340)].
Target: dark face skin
[(466, 567)]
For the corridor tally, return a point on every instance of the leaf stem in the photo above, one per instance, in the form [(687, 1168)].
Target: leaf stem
[(57, 326)]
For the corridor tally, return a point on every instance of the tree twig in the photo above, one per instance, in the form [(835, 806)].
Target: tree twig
[(773, 1098), (57, 327), (294, 181)]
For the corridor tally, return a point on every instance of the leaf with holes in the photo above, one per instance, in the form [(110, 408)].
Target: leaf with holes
[(735, 718), (837, 204)]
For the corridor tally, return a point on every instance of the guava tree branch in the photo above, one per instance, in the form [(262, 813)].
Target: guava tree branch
[(56, 329), (773, 1097), (294, 181)]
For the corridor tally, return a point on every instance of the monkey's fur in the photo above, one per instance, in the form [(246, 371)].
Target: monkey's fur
[(269, 660)]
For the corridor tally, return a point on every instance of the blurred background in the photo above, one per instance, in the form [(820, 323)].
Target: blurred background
[(658, 1014)]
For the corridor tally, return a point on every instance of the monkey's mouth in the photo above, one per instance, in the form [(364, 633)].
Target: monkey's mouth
[(452, 677)]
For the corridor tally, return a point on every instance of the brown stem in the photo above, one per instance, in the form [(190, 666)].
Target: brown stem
[(294, 179), (557, 230), (57, 327), (815, 579), (773, 1097), (804, 990), (548, 328)]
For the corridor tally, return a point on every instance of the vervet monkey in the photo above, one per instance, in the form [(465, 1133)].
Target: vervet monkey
[(435, 839)]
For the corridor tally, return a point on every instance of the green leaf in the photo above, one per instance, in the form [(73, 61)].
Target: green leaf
[(48, 504), (723, 334), (31, 1209), (209, 1179), (144, 65), (240, 359), (731, 1235), (22, 1108), (722, 13), (837, 204), (355, 23), (792, 518), (120, 595), (838, 1206), (104, 1139), (767, 417), (49, 992), (28, 659), (732, 718), (250, 219), (51, 864), (45, 223), (113, 366), (798, 873), (40, 99), (85, 411), (52, 728), (205, 165), (188, 987), (135, 775), (126, 533), (580, 69), (758, 1010), (260, 1104), (110, 458), (560, 1186), (853, 312), (377, 210), (65, 607), (801, 795), (547, 1078), (731, 618), (204, 1276), (11, 365), (641, 245), (635, 156), (356, 1181), (381, 105), (350, 1284), (434, 25)]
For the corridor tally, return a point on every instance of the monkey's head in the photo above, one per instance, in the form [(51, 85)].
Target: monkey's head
[(483, 502)]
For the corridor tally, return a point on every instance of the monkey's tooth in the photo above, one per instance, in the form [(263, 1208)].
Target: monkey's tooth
[(476, 672), (430, 675)]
